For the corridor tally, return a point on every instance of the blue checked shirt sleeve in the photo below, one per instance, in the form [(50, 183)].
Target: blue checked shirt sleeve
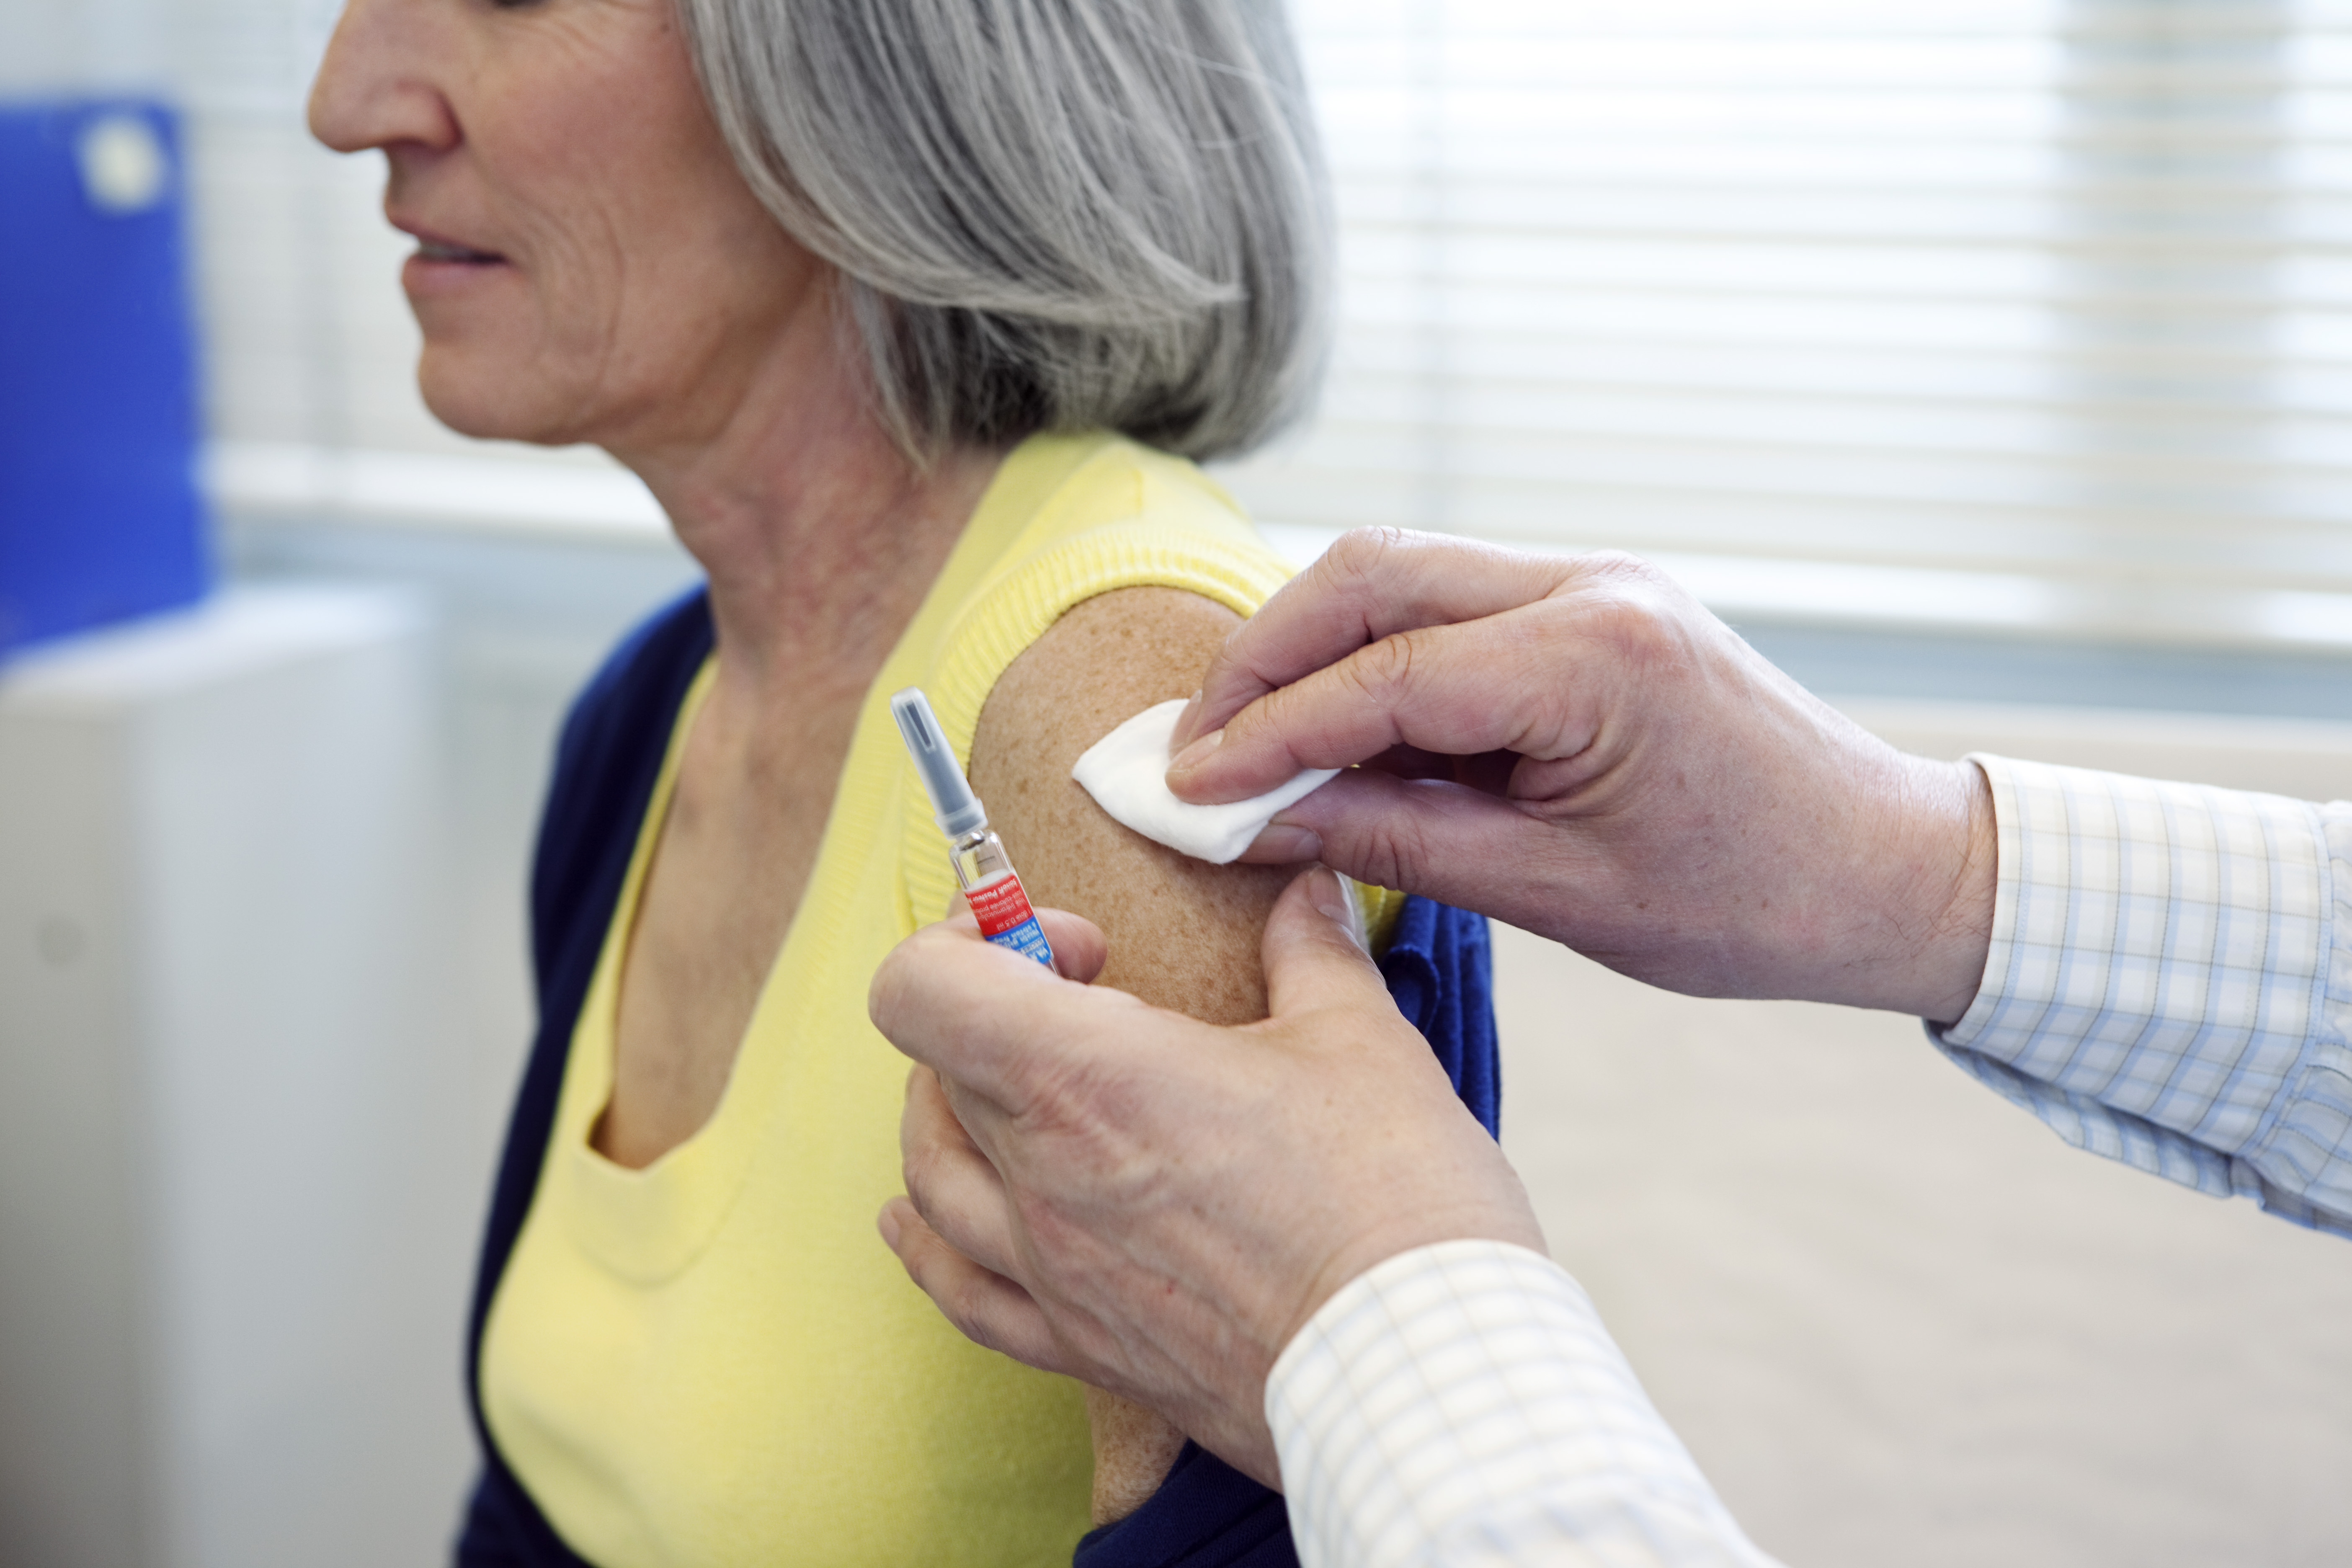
[(2170, 980), (2170, 984), (1461, 1405)]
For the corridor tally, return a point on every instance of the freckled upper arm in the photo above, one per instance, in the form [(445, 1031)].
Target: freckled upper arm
[(1183, 935)]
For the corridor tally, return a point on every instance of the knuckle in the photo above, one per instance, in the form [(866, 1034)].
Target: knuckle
[(1634, 614), (1390, 852), (966, 1305), (1366, 569), (1084, 1121), (1066, 1102), (1383, 669), (1617, 563), (922, 1166), (884, 994), (892, 996), (1363, 555)]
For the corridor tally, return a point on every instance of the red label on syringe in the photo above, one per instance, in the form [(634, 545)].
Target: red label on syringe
[(1006, 918)]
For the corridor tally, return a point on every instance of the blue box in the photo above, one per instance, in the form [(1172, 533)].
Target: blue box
[(100, 517)]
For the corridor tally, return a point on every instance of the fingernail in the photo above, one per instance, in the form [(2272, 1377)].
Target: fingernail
[(1323, 888), (1331, 893), (1280, 844), (1192, 711), (1199, 751), (889, 1226)]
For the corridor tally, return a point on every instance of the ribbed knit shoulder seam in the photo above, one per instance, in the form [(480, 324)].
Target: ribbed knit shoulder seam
[(1015, 606)]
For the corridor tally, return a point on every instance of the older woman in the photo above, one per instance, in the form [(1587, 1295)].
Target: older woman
[(909, 312)]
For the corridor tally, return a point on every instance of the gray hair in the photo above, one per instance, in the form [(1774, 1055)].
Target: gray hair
[(1050, 214)]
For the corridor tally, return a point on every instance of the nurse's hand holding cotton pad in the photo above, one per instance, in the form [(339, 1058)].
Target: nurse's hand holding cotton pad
[(1126, 772), (1627, 775)]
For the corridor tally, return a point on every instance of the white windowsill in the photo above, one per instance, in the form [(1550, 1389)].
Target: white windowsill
[(499, 495), (1917, 599), (283, 481)]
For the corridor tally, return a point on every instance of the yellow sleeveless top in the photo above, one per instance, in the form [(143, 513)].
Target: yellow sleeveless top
[(714, 1362)]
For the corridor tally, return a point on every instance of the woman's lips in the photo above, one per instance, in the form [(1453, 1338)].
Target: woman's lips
[(445, 267), (444, 250)]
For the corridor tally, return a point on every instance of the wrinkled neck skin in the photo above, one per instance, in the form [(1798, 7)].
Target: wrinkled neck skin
[(819, 536)]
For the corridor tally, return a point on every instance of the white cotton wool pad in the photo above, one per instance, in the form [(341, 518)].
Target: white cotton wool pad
[(1126, 772)]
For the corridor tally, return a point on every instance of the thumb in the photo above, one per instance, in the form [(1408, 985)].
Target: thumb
[(1313, 949), (1079, 946)]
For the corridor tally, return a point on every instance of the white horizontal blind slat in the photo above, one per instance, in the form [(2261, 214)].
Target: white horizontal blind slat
[(2055, 291), (1990, 308)]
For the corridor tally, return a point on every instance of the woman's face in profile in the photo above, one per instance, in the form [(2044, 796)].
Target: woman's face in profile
[(590, 267)]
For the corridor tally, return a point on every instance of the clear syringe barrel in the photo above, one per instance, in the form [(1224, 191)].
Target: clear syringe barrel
[(982, 869), (978, 858), (998, 900)]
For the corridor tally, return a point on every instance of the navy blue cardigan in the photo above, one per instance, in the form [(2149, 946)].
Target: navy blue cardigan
[(1206, 1515)]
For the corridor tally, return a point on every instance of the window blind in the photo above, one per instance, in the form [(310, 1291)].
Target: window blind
[(2034, 311), (2022, 312)]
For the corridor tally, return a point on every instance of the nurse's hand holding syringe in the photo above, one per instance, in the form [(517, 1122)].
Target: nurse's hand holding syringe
[(1164, 1237)]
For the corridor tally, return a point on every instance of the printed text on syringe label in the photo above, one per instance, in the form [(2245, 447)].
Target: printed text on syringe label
[(1005, 919)]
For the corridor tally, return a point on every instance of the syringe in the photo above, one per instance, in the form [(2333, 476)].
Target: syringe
[(983, 869)]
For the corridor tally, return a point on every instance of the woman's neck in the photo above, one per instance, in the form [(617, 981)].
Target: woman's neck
[(819, 536)]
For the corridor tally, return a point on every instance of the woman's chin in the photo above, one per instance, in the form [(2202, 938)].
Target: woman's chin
[(478, 394)]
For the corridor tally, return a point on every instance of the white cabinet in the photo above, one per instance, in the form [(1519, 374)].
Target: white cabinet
[(238, 1194)]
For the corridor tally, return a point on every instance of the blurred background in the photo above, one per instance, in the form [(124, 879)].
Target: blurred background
[(1989, 364)]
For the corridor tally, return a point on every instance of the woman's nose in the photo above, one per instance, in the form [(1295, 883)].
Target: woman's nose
[(379, 83)]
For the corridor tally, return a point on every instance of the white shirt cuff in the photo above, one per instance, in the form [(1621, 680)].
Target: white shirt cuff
[(1463, 1404)]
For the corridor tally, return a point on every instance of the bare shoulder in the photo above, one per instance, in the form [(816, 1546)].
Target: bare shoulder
[(1182, 934)]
